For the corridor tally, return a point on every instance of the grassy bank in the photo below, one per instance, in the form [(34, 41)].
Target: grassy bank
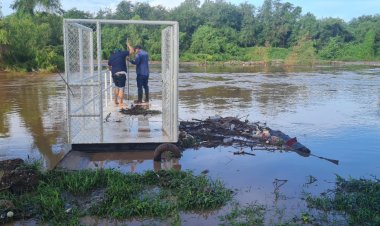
[(63, 197), (297, 56)]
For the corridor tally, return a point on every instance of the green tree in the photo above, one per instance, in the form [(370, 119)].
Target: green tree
[(25, 38), (189, 18), (277, 22), (30, 6), (307, 25), (221, 14), (303, 53), (211, 40), (286, 17), (124, 10), (147, 12), (368, 46), (333, 50), (247, 35), (77, 14), (332, 27)]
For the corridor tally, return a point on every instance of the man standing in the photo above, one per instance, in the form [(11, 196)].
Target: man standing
[(117, 64), (142, 70)]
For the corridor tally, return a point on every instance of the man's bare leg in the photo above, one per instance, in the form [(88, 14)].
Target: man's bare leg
[(116, 92), (121, 97)]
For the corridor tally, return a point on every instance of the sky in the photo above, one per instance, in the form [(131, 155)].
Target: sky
[(344, 9)]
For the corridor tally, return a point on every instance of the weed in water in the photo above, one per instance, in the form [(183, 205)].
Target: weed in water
[(252, 214), (357, 198)]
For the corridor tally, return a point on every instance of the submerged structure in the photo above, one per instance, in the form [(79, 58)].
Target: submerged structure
[(89, 88)]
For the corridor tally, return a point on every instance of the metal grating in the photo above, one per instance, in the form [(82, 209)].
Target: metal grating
[(88, 84)]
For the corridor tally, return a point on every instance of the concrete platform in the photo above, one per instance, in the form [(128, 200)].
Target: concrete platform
[(119, 128)]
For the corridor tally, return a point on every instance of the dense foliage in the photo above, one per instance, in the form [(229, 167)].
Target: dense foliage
[(31, 38)]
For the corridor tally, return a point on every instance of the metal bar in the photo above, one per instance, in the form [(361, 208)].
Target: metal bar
[(106, 88), (67, 71), (102, 21), (77, 25), (80, 37), (84, 79), (110, 80), (92, 65), (175, 82), (86, 103), (99, 56), (171, 81), (84, 115), (85, 84)]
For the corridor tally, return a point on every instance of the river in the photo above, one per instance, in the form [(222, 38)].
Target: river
[(334, 111)]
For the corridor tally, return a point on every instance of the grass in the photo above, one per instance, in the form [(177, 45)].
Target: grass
[(162, 194), (252, 214), (358, 199)]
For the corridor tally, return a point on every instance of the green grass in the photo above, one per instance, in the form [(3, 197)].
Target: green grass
[(162, 195), (252, 214), (359, 199)]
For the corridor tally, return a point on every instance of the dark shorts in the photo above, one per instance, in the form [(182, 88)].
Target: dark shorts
[(119, 80)]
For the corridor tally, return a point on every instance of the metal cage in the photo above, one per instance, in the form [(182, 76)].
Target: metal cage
[(86, 79)]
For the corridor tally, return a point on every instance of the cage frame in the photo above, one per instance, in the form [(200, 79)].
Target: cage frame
[(170, 122)]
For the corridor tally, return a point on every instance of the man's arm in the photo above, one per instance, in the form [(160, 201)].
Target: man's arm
[(137, 60), (130, 48)]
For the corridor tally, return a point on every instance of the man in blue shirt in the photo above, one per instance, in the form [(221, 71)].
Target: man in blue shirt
[(142, 70), (117, 64)]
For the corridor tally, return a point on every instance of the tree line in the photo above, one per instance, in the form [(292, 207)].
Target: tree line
[(32, 37)]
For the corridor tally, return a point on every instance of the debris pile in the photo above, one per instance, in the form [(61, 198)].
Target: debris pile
[(216, 130), (16, 178), (139, 110)]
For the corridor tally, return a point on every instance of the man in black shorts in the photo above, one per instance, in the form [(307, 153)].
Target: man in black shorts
[(118, 66)]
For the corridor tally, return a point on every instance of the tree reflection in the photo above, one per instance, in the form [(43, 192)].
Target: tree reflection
[(34, 99), (276, 97), (220, 96)]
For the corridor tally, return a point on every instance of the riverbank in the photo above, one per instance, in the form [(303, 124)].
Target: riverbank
[(271, 63), (68, 197), (278, 63)]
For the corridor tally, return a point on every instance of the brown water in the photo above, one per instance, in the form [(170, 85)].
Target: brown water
[(333, 111)]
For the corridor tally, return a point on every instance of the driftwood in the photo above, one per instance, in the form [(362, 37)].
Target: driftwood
[(218, 131), (139, 110)]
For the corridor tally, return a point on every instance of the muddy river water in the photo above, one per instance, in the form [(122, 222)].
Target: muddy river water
[(334, 111)]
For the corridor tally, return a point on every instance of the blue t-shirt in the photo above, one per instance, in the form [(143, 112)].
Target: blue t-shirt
[(117, 61), (141, 62)]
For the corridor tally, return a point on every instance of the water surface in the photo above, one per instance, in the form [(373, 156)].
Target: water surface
[(333, 111)]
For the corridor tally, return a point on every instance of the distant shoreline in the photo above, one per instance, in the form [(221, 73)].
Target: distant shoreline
[(273, 63)]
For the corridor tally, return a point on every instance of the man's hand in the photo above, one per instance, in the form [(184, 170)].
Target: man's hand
[(131, 50)]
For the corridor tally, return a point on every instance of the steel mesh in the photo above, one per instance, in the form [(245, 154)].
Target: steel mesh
[(88, 93), (85, 100), (166, 76)]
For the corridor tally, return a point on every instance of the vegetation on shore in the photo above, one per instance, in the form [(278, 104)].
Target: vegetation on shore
[(32, 38), (63, 197), (358, 199)]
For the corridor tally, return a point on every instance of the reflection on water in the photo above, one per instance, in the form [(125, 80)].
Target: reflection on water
[(335, 112), (123, 161), (31, 124)]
